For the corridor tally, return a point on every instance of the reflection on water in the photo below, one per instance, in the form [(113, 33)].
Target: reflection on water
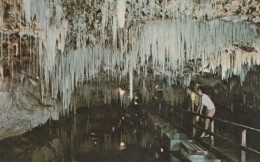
[(96, 134)]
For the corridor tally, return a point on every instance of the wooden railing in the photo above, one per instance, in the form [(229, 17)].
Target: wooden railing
[(243, 146)]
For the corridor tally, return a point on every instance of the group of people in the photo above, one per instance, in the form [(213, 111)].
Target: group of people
[(198, 101)]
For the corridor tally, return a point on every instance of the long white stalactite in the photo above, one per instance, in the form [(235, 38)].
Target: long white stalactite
[(121, 13)]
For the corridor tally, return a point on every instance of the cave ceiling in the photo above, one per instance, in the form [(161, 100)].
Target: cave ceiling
[(130, 44)]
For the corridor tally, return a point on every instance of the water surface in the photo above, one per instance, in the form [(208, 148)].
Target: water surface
[(104, 133)]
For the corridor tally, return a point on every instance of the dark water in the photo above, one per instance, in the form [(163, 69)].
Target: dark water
[(100, 134)]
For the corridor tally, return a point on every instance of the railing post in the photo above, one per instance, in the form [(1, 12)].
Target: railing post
[(193, 127), (212, 131), (180, 119), (243, 142)]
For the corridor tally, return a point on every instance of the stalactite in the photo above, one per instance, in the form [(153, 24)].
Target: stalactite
[(131, 81), (1, 25), (121, 7)]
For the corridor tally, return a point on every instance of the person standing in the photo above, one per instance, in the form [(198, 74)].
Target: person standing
[(194, 99), (211, 109), (193, 106)]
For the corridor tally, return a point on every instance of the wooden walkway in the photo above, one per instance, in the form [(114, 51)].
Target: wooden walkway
[(180, 146)]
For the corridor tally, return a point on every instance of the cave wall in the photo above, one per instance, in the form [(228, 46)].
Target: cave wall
[(22, 107)]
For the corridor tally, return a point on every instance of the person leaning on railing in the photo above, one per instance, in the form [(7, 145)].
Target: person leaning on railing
[(207, 102), (194, 99)]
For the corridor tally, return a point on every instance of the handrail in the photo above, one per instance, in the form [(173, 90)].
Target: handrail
[(249, 150), (221, 120), (243, 147), (217, 135), (226, 121)]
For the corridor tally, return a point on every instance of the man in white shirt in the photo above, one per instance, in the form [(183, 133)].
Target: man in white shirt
[(206, 101)]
